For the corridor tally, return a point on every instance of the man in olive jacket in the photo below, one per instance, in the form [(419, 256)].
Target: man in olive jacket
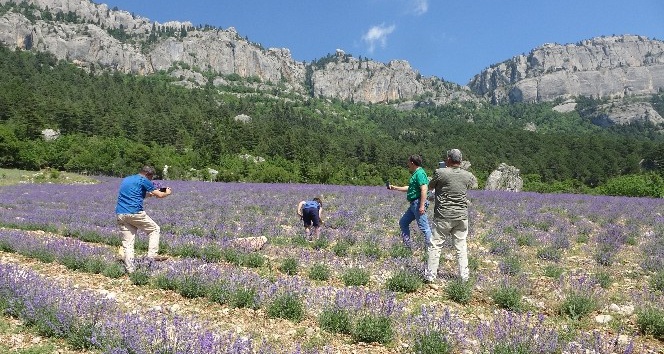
[(450, 218)]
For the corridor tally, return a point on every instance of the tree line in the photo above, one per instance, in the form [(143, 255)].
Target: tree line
[(112, 123)]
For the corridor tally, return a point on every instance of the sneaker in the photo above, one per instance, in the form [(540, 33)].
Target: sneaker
[(433, 284), (159, 258)]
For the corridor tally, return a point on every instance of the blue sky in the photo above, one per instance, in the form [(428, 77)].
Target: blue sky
[(450, 39)]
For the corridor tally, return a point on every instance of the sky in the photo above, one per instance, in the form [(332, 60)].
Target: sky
[(450, 39)]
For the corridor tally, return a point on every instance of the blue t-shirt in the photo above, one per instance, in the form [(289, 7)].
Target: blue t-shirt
[(132, 192), (311, 204)]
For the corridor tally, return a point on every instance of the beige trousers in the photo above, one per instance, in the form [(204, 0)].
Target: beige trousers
[(129, 224), (445, 230)]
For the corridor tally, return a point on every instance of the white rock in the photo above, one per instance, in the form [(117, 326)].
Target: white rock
[(603, 318), (624, 339)]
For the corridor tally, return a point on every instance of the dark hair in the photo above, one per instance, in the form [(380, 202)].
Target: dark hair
[(147, 170), (317, 199), (415, 159)]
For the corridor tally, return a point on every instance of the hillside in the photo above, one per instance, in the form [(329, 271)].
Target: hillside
[(113, 123), (114, 91)]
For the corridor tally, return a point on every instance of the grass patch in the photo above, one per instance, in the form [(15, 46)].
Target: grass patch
[(341, 248), (286, 306), (459, 291), (404, 281), (553, 271), (650, 320), (355, 277), (289, 266), (319, 271), (335, 320), (431, 343), (657, 281), (399, 250), (578, 304), (508, 297), (372, 328), (12, 176)]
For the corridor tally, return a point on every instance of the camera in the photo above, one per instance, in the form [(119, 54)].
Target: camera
[(387, 184), (162, 189), (441, 164)]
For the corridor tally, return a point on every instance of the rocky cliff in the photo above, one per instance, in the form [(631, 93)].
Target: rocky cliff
[(93, 35), (603, 67)]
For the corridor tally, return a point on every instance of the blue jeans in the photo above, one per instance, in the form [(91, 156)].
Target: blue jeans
[(413, 213)]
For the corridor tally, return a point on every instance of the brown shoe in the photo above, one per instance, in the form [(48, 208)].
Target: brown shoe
[(159, 258), (433, 284)]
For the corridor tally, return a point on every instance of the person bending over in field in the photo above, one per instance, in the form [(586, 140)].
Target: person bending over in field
[(131, 217), (310, 211)]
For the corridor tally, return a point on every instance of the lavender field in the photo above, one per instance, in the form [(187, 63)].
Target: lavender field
[(549, 273)]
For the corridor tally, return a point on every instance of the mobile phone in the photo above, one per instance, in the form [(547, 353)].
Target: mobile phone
[(162, 189), (441, 164)]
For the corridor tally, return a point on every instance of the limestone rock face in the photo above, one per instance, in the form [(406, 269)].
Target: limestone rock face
[(621, 113), (87, 42), (504, 178), (602, 67)]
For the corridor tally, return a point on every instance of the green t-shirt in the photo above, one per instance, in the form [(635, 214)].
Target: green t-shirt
[(417, 179)]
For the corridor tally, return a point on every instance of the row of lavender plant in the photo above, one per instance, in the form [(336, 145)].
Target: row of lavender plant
[(354, 300), (89, 321), (206, 274), (238, 210)]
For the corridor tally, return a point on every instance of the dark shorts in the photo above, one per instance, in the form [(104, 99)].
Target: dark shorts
[(309, 216)]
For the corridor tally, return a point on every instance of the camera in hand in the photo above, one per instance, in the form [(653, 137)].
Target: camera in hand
[(387, 184), (162, 189), (441, 164)]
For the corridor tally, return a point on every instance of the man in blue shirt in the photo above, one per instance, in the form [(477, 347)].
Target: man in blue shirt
[(131, 217)]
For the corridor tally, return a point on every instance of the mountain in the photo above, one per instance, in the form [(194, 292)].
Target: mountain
[(602, 67), (625, 71), (96, 37)]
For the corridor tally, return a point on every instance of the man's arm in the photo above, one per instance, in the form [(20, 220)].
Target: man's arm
[(423, 198), (433, 180), (159, 194), (299, 208), (399, 188)]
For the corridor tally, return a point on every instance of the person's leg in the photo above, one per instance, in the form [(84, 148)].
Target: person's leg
[(315, 220), (404, 225), (441, 229), (422, 221), (307, 219), (460, 232), (144, 223), (128, 232)]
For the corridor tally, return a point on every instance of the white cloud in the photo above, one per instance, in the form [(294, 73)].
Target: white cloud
[(377, 35), (419, 7)]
